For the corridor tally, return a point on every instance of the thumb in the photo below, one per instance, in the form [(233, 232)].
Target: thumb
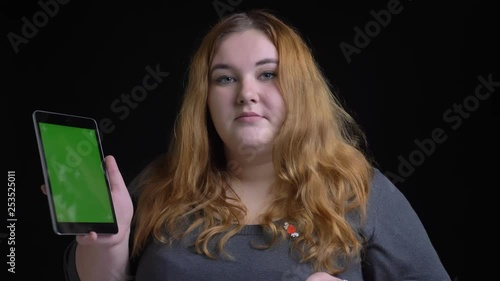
[(43, 187), (114, 174)]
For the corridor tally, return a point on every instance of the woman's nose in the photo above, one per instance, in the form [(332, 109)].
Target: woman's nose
[(248, 92)]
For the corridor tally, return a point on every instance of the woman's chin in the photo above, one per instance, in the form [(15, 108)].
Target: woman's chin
[(255, 137)]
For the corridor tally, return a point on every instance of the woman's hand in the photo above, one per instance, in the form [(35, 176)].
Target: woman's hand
[(123, 209)]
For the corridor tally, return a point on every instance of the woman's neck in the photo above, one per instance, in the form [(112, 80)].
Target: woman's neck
[(251, 179), (256, 196)]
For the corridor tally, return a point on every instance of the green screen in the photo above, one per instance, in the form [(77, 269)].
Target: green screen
[(77, 181)]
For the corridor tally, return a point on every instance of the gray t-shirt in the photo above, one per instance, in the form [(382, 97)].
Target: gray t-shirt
[(397, 249)]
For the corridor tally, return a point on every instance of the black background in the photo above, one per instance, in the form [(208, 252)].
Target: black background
[(425, 61)]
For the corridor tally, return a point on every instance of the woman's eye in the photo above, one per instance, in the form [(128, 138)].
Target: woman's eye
[(268, 75), (224, 80)]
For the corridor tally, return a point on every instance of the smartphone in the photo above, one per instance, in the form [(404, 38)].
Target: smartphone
[(74, 171)]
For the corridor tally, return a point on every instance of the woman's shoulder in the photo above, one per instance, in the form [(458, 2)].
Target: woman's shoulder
[(381, 185), (383, 191), (388, 207)]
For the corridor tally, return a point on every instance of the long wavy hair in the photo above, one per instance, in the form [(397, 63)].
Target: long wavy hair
[(322, 173)]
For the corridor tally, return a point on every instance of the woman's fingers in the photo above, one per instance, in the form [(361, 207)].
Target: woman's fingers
[(87, 239), (114, 174), (115, 177), (44, 189)]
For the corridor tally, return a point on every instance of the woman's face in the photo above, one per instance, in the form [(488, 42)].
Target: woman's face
[(243, 79)]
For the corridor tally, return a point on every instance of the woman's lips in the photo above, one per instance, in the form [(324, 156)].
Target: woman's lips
[(248, 116), (253, 118)]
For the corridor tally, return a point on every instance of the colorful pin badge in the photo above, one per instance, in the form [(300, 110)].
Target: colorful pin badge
[(291, 230)]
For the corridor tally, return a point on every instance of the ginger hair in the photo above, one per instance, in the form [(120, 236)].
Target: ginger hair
[(322, 171)]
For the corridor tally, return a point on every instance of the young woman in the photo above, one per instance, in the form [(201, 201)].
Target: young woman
[(265, 179)]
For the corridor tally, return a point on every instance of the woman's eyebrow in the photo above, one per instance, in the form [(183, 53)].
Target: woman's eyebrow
[(266, 61), (227, 66)]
